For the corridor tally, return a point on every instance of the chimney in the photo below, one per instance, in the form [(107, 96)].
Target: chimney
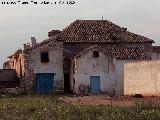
[(33, 41), (26, 46), (124, 29), (53, 33)]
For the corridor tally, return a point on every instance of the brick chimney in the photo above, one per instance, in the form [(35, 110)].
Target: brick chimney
[(33, 41), (53, 33)]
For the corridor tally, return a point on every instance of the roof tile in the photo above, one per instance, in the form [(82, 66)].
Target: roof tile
[(156, 48), (98, 31)]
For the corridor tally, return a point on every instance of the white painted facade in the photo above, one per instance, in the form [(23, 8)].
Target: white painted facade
[(120, 75), (155, 56), (86, 66), (142, 78)]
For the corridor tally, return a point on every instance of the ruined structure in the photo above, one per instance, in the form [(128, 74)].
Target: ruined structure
[(88, 56), (16, 62)]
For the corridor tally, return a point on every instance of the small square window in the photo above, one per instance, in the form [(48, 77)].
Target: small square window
[(44, 57), (95, 53)]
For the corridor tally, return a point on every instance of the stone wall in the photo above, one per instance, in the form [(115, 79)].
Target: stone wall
[(16, 62), (34, 65)]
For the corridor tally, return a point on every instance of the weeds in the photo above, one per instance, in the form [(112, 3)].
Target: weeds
[(47, 107)]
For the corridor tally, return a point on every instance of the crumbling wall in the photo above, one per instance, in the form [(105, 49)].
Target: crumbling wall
[(19, 65), (16, 62), (6, 65), (142, 78), (34, 65)]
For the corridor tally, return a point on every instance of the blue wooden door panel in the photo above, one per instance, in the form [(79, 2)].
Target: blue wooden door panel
[(49, 82), (95, 84), (45, 82)]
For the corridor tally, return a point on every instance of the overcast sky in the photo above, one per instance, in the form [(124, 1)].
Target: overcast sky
[(19, 22)]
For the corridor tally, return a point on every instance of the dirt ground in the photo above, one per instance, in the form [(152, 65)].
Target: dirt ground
[(105, 100)]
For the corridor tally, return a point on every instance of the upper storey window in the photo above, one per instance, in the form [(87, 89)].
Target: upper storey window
[(95, 53), (44, 57)]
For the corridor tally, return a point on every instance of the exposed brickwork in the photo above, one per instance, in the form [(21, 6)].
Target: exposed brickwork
[(17, 62)]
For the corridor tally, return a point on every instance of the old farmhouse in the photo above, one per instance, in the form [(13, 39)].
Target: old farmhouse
[(88, 56)]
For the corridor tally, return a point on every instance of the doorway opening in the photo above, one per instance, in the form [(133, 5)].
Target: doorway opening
[(67, 85)]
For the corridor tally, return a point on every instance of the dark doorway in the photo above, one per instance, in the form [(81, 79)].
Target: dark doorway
[(67, 85)]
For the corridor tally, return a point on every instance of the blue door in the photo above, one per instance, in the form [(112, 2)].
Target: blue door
[(45, 82), (95, 84)]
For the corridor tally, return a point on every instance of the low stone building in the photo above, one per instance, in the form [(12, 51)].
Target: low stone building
[(44, 67), (87, 56)]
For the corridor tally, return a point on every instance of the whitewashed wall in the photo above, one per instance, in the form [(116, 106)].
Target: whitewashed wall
[(142, 78), (87, 65), (120, 75), (155, 56)]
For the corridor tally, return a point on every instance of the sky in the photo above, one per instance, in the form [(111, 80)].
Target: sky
[(18, 23)]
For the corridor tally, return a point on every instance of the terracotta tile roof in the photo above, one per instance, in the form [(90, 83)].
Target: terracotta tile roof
[(156, 49), (98, 31), (90, 49), (137, 53), (50, 39), (128, 53)]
